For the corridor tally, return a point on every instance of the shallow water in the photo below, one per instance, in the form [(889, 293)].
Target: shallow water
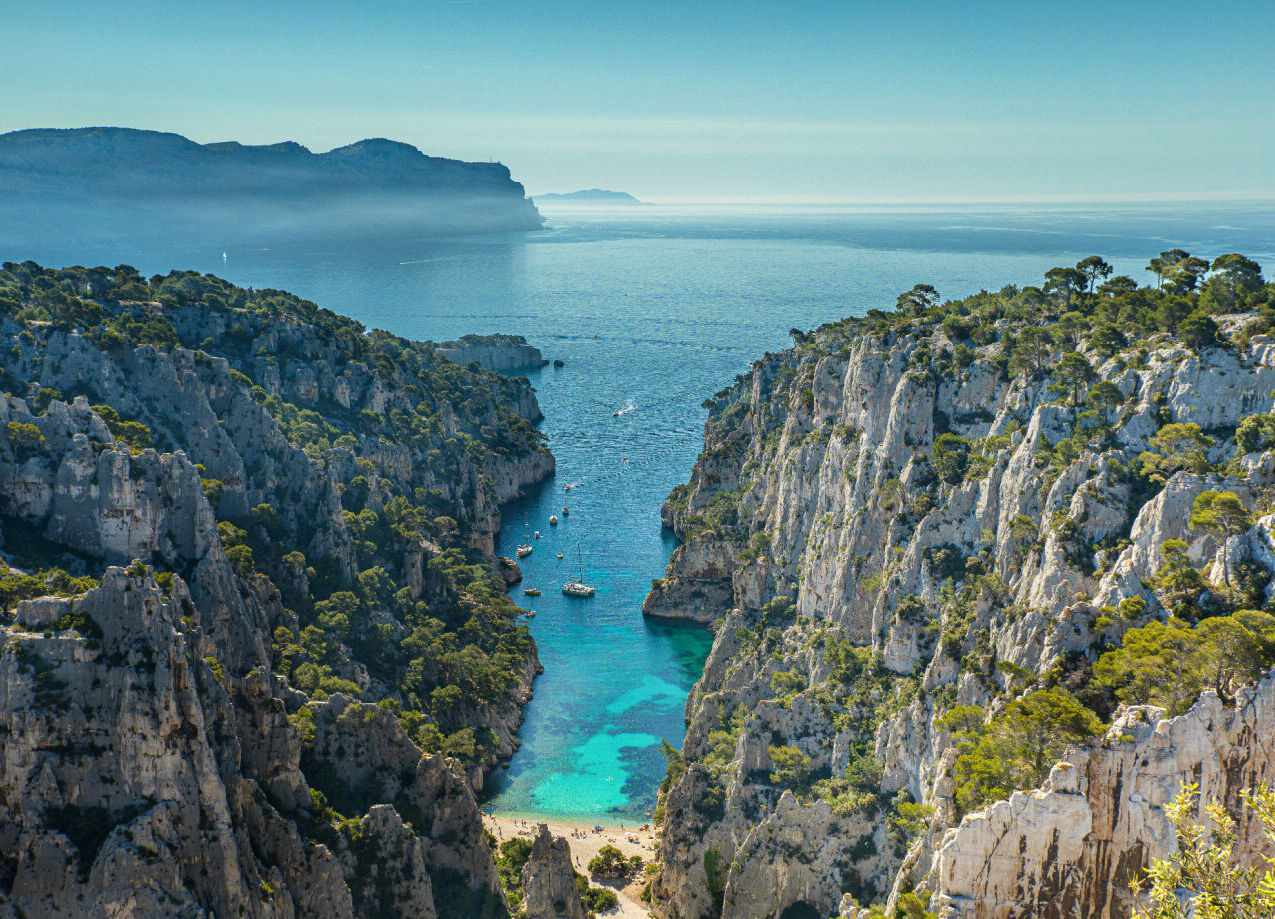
[(653, 310)]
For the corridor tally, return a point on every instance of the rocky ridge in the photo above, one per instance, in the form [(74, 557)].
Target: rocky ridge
[(181, 736), (909, 520)]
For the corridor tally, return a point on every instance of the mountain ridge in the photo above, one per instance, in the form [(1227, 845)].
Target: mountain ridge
[(103, 180)]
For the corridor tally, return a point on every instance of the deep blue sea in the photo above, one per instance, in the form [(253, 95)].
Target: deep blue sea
[(653, 309)]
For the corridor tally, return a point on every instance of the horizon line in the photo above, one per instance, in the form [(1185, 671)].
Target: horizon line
[(1256, 199)]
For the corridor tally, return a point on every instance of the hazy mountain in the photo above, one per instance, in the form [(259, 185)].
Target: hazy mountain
[(105, 182), (590, 196)]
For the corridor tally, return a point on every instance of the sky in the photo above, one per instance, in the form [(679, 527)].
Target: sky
[(693, 100)]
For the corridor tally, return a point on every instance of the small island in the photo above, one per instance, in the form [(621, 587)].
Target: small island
[(589, 196)]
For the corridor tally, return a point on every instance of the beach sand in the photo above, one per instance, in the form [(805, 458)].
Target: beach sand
[(585, 843)]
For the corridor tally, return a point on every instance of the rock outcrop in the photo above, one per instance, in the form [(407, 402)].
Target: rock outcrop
[(548, 880), (494, 352), (887, 524), (1069, 848)]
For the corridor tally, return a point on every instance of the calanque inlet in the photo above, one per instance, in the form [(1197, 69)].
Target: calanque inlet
[(988, 582)]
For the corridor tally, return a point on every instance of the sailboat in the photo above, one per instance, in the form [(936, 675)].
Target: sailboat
[(575, 587), (525, 549)]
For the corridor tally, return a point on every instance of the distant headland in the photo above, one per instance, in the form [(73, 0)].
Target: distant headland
[(104, 182), (590, 196)]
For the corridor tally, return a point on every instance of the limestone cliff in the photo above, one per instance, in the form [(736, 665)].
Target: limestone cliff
[(285, 703), (904, 528)]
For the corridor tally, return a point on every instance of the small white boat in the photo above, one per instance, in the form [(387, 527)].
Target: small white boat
[(553, 520), (522, 551), (531, 614), (531, 591), (566, 511), (537, 534), (568, 487)]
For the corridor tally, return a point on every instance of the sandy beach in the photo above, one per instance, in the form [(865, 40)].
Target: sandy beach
[(585, 843)]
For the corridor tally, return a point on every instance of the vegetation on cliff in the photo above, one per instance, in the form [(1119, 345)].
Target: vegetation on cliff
[(943, 544), (437, 651)]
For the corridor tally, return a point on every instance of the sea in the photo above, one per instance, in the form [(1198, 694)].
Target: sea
[(652, 309)]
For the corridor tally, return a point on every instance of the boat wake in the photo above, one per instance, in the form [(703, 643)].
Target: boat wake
[(624, 409)]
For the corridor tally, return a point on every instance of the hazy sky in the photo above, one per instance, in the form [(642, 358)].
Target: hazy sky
[(692, 100)]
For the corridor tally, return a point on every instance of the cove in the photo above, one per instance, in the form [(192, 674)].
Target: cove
[(614, 684)]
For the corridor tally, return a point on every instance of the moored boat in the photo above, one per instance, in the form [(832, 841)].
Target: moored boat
[(575, 587)]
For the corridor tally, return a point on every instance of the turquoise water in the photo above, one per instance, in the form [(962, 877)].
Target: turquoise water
[(653, 310)]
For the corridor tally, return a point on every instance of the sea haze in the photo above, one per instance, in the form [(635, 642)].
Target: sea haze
[(654, 309)]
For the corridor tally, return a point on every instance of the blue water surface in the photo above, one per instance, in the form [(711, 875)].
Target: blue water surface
[(653, 310)]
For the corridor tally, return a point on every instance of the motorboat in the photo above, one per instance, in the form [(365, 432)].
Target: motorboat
[(553, 520), (531, 591)]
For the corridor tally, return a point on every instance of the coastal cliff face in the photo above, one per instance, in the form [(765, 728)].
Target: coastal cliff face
[(909, 534), (252, 657)]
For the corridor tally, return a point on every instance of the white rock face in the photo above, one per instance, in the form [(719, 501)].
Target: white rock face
[(857, 590), (1067, 849)]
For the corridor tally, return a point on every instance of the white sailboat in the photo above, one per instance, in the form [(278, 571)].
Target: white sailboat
[(575, 587), (525, 549)]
